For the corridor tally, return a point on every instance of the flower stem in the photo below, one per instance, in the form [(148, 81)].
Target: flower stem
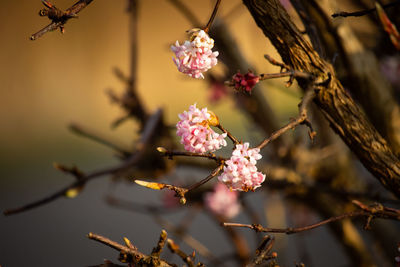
[(210, 21), (234, 140)]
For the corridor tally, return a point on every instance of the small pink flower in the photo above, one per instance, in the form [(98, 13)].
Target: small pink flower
[(245, 82), (195, 132), (196, 56), (222, 201), (240, 171)]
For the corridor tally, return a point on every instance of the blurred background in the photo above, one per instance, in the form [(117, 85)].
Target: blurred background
[(57, 79)]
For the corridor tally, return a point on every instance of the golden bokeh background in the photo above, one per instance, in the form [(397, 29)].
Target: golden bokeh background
[(58, 79)]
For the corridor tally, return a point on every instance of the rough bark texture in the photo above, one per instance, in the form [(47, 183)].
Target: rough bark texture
[(358, 68), (345, 117)]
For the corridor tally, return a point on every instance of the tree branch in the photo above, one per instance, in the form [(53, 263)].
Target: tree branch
[(344, 115), (362, 12), (301, 119), (377, 211), (130, 254), (59, 18)]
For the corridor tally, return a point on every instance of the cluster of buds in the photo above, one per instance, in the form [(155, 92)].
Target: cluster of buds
[(194, 57), (196, 133), (222, 201), (244, 82), (240, 171)]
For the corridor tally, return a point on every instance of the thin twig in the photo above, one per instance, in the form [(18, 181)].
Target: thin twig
[(290, 230), (61, 18), (301, 119), (171, 153), (289, 72), (293, 73), (378, 211), (75, 171), (214, 13), (208, 178), (130, 253), (130, 101), (180, 191), (160, 245), (263, 252), (362, 12), (113, 244), (176, 250), (277, 63), (85, 133), (234, 139)]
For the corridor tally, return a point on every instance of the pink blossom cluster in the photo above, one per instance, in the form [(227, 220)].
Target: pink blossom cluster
[(195, 132), (240, 171), (245, 82), (223, 201), (195, 56)]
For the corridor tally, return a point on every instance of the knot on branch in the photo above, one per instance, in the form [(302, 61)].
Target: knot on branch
[(55, 14), (257, 227)]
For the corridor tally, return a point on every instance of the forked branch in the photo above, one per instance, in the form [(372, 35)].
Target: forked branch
[(58, 17)]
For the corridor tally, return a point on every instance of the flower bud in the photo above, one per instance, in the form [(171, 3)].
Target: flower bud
[(213, 120)]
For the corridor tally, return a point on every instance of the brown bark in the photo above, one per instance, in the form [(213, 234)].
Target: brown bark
[(358, 68), (345, 117)]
